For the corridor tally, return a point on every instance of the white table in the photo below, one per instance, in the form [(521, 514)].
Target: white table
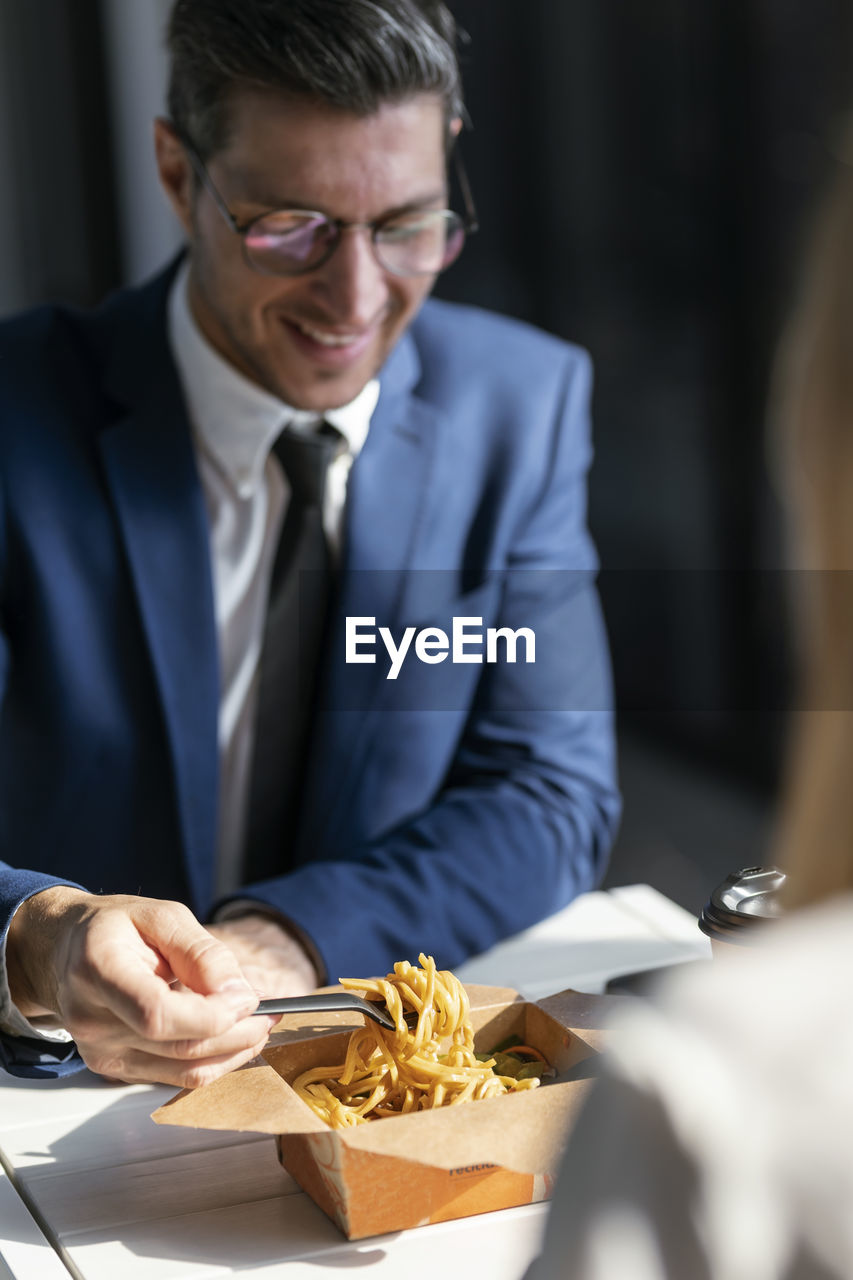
[(90, 1174)]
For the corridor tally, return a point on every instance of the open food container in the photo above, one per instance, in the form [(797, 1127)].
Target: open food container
[(428, 1166)]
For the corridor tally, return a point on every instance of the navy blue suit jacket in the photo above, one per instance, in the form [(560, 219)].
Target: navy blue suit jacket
[(441, 811)]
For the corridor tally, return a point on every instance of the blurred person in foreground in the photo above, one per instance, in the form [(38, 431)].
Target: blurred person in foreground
[(203, 481), (717, 1146)]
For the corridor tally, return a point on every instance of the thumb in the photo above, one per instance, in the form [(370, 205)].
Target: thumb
[(196, 959)]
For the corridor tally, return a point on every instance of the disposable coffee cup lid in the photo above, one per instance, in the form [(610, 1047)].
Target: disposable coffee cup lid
[(746, 899)]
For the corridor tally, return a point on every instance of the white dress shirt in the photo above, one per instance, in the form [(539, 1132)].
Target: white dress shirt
[(234, 424)]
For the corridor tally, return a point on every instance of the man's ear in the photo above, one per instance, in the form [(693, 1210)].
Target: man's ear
[(455, 126), (175, 170)]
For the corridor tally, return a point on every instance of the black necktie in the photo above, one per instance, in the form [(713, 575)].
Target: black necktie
[(300, 588)]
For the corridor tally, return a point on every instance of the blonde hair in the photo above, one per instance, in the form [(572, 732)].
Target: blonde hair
[(814, 387)]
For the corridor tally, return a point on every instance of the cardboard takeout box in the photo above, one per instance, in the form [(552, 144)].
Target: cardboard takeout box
[(428, 1166)]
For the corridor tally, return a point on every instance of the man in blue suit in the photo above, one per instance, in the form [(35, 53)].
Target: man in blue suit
[(453, 779)]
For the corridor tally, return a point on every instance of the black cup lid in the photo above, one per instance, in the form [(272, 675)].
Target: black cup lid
[(744, 899)]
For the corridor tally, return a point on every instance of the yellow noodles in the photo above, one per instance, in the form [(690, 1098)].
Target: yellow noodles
[(388, 1073)]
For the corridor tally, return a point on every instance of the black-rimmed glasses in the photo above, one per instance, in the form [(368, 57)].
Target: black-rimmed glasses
[(291, 242)]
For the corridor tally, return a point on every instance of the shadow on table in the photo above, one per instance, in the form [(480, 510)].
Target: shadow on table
[(244, 1237), (200, 1196)]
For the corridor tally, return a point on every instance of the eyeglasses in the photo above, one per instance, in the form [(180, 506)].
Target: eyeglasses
[(291, 242)]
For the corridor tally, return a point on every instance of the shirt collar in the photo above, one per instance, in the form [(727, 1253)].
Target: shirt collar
[(218, 396)]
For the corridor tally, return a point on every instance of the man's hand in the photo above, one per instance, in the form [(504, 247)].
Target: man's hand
[(270, 957), (143, 988)]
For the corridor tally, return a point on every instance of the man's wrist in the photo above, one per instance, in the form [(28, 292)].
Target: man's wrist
[(31, 943), (304, 948)]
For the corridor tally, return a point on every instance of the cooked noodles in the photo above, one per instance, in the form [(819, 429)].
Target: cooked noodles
[(388, 1073)]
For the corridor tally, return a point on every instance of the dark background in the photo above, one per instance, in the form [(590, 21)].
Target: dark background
[(644, 172)]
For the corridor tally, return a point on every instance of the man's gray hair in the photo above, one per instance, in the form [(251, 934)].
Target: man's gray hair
[(351, 54)]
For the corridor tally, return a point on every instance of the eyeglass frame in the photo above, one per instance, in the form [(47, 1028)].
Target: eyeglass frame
[(469, 220)]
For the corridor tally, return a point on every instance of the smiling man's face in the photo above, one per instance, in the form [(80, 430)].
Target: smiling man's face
[(316, 339)]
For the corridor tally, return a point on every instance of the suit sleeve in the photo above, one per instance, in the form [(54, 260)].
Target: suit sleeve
[(529, 806), (22, 1054)]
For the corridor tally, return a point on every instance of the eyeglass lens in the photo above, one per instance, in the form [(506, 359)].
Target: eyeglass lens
[(288, 243)]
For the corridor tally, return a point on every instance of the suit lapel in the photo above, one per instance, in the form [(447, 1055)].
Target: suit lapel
[(150, 468), (386, 499)]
